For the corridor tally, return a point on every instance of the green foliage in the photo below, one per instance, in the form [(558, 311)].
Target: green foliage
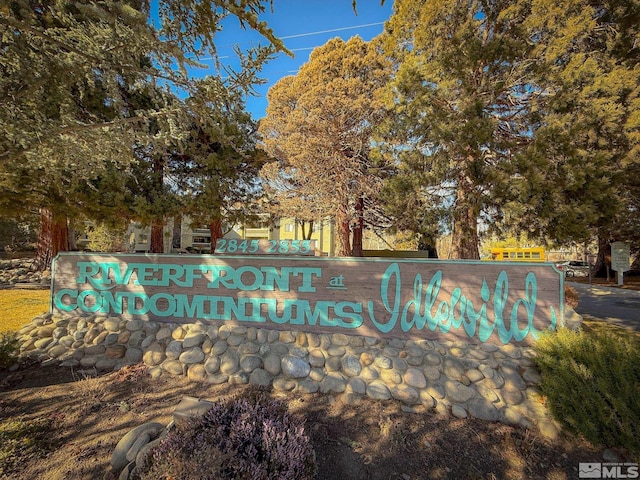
[(105, 239), (17, 235), (521, 114), (320, 128), (79, 80), (220, 162), (459, 98), (592, 383), (9, 349), (576, 178), (20, 439), (67, 78)]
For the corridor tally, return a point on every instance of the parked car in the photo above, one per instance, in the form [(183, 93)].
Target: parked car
[(574, 268)]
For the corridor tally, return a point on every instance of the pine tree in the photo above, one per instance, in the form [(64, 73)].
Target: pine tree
[(68, 70), (459, 97), (577, 175), (319, 127)]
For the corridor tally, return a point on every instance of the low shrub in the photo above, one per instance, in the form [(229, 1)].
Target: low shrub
[(592, 384), (9, 349), (251, 438)]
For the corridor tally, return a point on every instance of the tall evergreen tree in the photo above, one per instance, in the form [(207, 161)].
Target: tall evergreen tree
[(68, 69), (319, 127), (577, 182), (221, 161), (460, 95)]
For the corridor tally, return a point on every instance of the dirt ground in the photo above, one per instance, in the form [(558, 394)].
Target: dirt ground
[(371, 440)]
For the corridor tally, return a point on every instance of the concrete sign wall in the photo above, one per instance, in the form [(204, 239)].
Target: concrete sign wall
[(446, 300)]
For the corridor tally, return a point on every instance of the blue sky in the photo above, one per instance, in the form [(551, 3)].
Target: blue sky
[(303, 25)]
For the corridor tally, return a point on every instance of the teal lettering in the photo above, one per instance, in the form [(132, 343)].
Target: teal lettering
[(222, 274), (155, 309), (95, 301), (145, 271), (307, 278), (184, 309), (174, 273), (94, 274), (392, 271), (304, 312), (111, 303), (529, 304), (59, 301), (255, 305), (272, 311), (258, 278), (273, 277), (456, 298), (425, 308), (348, 314)]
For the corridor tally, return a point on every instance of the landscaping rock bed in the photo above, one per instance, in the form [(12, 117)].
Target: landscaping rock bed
[(490, 382), (20, 271)]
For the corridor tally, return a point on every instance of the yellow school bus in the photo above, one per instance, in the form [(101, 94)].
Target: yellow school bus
[(518, 254)]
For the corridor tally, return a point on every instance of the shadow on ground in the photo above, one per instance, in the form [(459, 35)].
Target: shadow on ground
[(367, 440)]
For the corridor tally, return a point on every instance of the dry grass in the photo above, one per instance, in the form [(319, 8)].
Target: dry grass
[(19, 307)]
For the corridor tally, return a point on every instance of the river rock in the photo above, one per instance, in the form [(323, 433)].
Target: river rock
[(294, 367), (377, 390), (351, 365), (483, 409), (119, 456), (192, 355), (458, 392), (414, 378), (174, 350), (260, 377), (333, 383), (193, 340), (229, 362), (154, 355)]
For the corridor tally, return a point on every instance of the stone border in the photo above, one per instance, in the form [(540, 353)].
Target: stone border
[(489, 382)]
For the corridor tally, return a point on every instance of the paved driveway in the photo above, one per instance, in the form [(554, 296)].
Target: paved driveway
[(615, 305)]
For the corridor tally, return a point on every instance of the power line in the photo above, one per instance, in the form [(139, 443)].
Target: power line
[(298, 35), (332, 30), (308, 34)]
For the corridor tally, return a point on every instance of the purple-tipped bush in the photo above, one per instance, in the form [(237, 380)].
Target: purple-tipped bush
[(251, 438)]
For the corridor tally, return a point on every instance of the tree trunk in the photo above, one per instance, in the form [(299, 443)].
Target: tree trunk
[(52, 238), (157, 224), (176, 237), (157, 237), (344, 233), (358, 230), (73, 241), (428, 243), (602, 267), (215, 232), (464, 238), (306, 233)]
